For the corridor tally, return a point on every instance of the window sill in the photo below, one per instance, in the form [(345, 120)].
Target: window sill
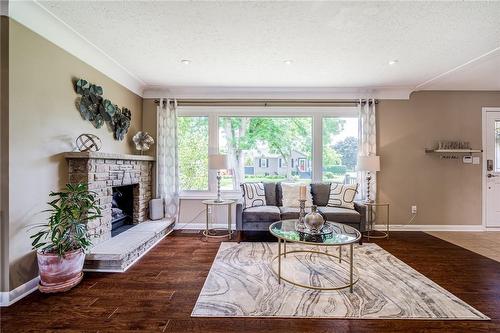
[(233, 195)]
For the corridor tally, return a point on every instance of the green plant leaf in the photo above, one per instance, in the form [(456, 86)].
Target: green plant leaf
[(66, 229)]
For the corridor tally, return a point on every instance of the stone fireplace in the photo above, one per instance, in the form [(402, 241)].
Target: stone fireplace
[(103, 172)]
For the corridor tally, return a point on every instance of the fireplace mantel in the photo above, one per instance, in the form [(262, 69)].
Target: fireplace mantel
[(108, 156)]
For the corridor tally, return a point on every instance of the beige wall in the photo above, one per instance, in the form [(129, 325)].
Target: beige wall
[(44, 124), (149, 125), (149, 121), (445, 191)]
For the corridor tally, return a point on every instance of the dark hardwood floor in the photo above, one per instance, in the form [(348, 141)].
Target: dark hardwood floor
[(159, 292)]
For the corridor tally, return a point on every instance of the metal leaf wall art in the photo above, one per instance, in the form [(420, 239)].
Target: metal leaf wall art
[(94, 108)]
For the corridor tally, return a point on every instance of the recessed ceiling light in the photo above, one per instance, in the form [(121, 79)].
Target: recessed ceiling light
[(186, 61), (393, 62), (288, 62)]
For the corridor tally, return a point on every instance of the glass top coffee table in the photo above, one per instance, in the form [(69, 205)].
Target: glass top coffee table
[(332, 234)]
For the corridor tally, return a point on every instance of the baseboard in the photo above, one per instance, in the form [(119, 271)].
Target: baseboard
[(202, 226), (10, 297), (431, 227), (393, 227)]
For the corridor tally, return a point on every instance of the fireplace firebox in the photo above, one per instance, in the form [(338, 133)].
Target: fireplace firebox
[(122, 209)]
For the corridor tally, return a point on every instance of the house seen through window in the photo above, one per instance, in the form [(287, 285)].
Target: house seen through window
[(266, 149)]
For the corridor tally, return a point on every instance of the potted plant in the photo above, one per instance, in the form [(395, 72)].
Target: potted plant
[(61, 243)]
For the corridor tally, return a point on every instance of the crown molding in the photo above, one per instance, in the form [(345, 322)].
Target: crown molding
[(427, 85), (37, 18), (277, 92)]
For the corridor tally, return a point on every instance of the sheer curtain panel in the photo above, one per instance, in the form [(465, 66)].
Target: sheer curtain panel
[(167, 165)]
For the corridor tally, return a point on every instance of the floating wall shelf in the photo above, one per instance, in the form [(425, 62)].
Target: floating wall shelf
[(453, 151)]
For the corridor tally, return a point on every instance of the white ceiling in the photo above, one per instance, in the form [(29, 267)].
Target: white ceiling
[(332, 44)]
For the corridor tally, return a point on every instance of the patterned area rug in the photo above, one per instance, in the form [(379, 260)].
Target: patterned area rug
[(241, 283)]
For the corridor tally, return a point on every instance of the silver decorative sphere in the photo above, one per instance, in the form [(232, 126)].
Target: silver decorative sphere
[(88, 142), (314, 221)]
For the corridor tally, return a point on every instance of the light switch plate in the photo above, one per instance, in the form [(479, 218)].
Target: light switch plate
[(476, 160)]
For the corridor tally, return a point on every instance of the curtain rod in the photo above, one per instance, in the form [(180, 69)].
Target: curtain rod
[(272, 102)]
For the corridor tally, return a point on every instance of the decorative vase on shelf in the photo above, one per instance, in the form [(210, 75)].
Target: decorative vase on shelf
[(314, 221)]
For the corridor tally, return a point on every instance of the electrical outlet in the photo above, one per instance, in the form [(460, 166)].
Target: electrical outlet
[(414, 209), (209, 210)]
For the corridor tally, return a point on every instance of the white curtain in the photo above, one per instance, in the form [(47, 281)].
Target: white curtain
[(367, 145), (167, 166)]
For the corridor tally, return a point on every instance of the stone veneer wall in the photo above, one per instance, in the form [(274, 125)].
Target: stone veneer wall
[(102, 172)]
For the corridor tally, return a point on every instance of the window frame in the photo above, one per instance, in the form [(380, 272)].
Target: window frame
[(215, 112)]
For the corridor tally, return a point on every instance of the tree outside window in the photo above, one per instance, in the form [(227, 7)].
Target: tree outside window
[(249, 140), (340, 149), (192, 136)]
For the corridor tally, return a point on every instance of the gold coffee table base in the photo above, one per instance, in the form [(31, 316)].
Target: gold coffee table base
[(353, 279)]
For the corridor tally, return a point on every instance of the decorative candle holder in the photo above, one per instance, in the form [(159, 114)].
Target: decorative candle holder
[(302, 213)]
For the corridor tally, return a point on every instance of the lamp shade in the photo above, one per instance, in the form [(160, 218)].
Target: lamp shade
[(368, 163), (217, 162)]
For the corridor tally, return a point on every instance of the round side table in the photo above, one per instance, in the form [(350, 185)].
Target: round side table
[(371, 212), (211, 233)]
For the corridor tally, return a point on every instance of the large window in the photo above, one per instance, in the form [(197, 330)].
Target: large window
[(192, 135), (268, 144), (266, 149), (340, 149)]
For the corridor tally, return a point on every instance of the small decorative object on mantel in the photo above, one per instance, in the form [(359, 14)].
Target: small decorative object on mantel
[(88, 142), (94, 108), (143, 141)]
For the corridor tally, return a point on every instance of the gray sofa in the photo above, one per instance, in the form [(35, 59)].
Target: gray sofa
[(259, 218)]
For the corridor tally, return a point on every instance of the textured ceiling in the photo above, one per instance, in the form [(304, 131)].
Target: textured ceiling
[(332, 44)]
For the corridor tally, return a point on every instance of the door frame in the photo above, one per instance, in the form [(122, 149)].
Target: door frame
[(484, 112)]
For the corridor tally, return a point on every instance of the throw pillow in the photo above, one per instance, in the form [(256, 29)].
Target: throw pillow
[(253, 194), (342, 195), (291, 193)]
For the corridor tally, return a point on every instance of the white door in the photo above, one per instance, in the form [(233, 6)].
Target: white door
[(491, 127)]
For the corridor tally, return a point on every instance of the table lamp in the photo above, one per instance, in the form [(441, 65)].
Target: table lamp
[(369, 164), (217, 162)]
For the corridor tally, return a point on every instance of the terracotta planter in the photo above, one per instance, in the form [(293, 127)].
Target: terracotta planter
[(60, 273)]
